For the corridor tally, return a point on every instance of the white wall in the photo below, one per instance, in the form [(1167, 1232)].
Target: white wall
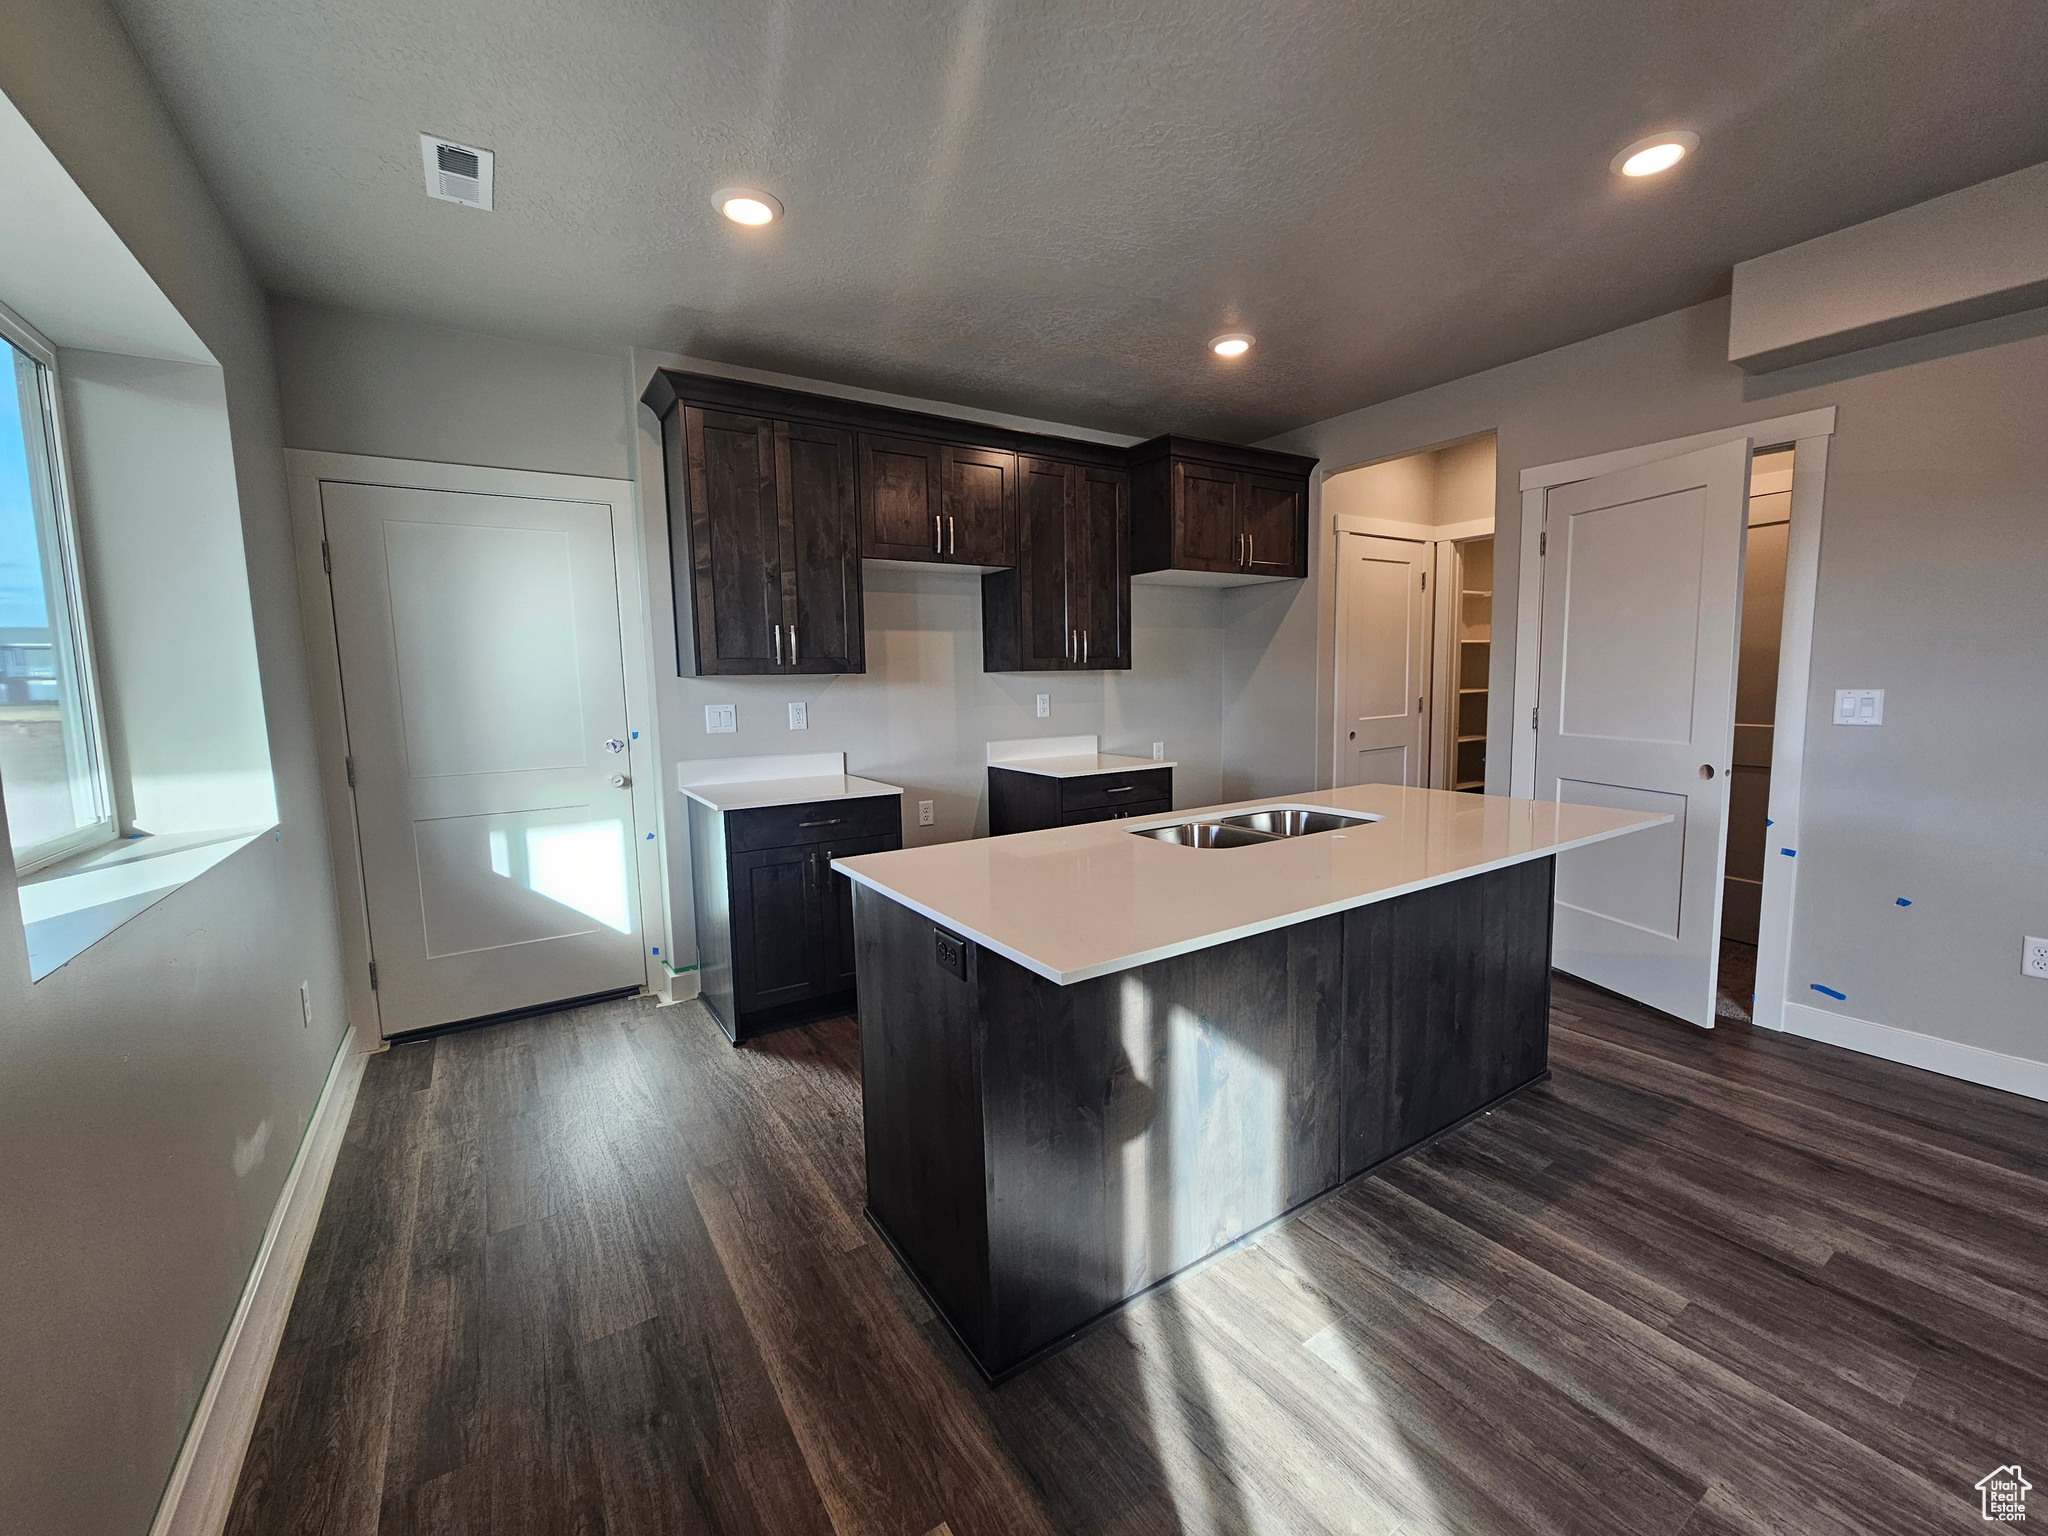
[(153, 1092), (1933, 561), (167, 582)]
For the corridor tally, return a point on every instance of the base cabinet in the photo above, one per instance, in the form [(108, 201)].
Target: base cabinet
[(1019, 801), (774, 923)]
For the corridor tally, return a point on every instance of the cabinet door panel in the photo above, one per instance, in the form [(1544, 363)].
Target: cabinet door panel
[(1042, 562), (734, 540), (900, 481), (980, 505), (1273, 525), (774, 951), (1205, 518), (820, 563), (835, 910), (1099, 565)]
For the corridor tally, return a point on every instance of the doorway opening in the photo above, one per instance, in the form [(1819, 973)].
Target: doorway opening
[(1414, 617), (1756, 704)]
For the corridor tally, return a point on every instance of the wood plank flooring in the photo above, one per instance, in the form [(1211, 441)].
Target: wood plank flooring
[(601, 1272)]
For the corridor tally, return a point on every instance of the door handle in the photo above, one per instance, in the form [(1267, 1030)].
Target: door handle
[(1706, 770), (620, 781), (778, 644)]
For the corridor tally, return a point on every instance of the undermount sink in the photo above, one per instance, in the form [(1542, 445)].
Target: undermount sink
[(1293, 822), (1204, 834), (1248, 828)]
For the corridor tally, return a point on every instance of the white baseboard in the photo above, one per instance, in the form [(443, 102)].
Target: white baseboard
[(202, 1485), (1951, 1058)]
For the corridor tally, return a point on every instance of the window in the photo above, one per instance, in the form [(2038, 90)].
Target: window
[(52, 767)]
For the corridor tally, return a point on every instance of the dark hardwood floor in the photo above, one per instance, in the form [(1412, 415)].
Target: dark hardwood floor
[(601, 1272)]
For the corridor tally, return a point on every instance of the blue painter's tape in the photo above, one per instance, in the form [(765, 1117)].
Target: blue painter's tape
[(650, 837), (657, 949), (1904, 902), (1840, 997), (1790, 853), (636, 735), (1768, 822)]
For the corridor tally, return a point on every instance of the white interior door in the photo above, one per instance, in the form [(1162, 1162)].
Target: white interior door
[(1642, 596), (485, 698), (1382, 660)]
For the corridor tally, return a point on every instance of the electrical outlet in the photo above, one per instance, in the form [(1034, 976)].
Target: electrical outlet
[(1044, 705), (799, 719), (951, 952), (305, 1006), (2034, 958), (721, 719), (1859, 706), (924, 813), (1158, 751)]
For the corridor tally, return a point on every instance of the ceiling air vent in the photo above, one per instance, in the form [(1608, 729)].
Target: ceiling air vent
[(457, 173)]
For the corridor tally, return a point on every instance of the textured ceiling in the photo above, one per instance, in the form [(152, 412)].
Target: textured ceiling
[(1047, 206)]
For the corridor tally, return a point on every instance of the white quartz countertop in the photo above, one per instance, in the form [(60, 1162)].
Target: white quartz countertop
[(754, 794), (1085, 763), (1073, 903)]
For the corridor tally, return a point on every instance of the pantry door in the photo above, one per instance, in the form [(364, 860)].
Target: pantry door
[(1642, 606), (1382, 660)]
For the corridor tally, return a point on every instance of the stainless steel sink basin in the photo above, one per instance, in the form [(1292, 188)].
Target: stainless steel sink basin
[(1204, 834), (1287, 822)]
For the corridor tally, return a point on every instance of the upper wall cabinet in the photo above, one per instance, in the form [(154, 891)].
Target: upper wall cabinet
[(763, 544), (937, 503), (1066, 604), (775, 496), (1216, 515)]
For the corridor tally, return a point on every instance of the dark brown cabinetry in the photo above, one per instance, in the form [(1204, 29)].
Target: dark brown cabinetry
[(1022, 801), (767, 568), (774, 923), (1208, 509), (1066, 604), (937, 503), (775, 497)]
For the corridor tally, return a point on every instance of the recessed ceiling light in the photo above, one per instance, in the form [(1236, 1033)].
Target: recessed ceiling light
[(1659, 152), (746, 205), (1230, 344)]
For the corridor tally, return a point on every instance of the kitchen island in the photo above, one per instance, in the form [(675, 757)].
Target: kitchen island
[(1092, 1057)]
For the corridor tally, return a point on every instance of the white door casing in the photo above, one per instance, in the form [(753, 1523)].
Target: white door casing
[(1382, 660), (1642, 591), (483, 683)]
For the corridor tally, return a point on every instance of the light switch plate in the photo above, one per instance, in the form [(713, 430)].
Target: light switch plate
[(924, 813), (1859, 706), (1044, 705), (2034, 959), (721, 719), (799, 718), (1158, 751)]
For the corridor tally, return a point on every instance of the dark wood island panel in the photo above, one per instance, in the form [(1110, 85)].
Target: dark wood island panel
[(1038, 1154)]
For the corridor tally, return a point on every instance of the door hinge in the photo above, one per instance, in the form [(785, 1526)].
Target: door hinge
[(1542, 545), (1425, 581), (326, 560), (373, 975), (350, 764), (1532, 715)]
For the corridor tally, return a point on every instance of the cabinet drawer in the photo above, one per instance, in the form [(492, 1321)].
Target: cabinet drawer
[(789, 826), (1115, 789), (1115, 813)]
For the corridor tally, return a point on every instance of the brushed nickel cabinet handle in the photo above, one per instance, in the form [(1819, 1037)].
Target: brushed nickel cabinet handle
[(792, 645), (829, 821), (938, 538), (1084, 647), (952, 536), (778, 645), (1250, 549)]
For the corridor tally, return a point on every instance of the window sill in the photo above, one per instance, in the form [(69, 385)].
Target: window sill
[(70, 906)]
